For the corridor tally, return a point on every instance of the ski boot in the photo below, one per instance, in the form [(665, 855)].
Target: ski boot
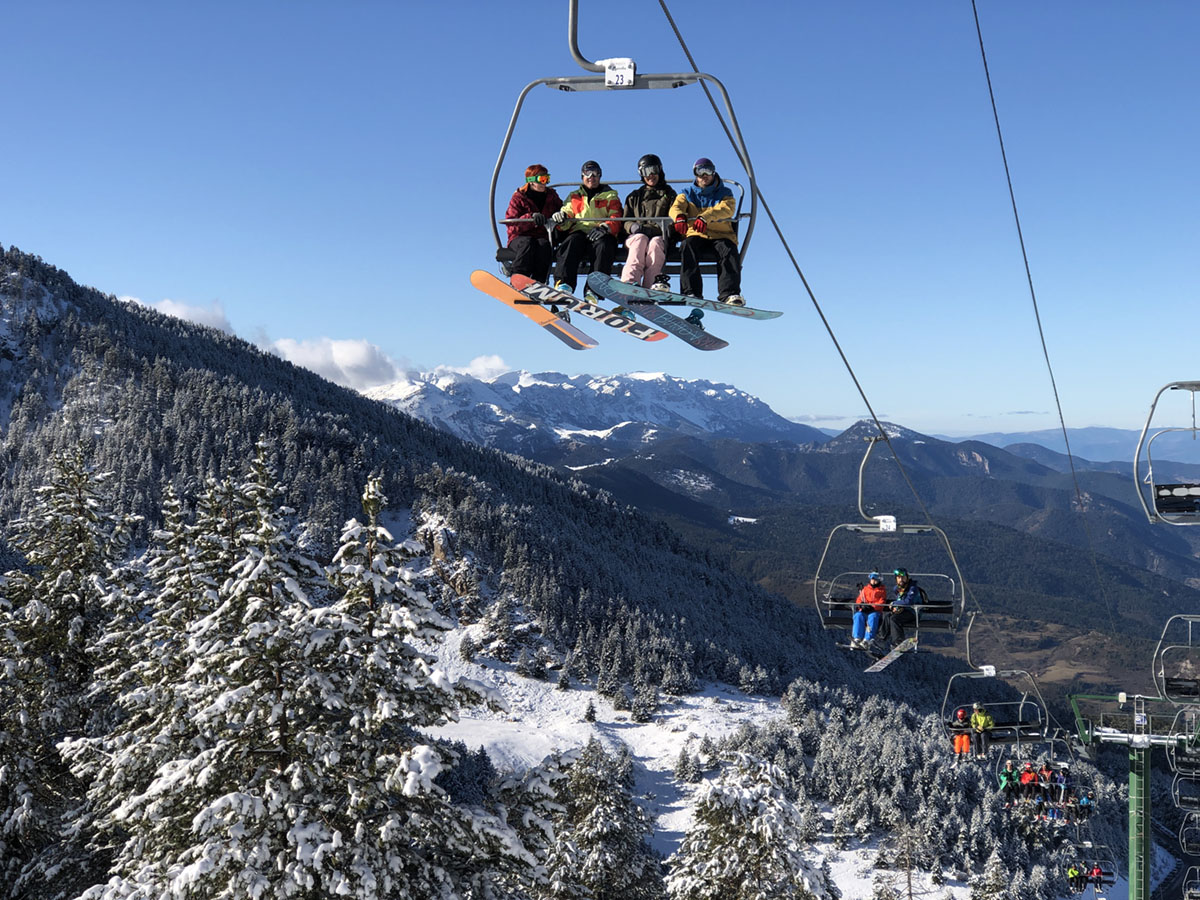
[(561, 313), (734, 300), (661, 283), (694, 318), (624, 312)]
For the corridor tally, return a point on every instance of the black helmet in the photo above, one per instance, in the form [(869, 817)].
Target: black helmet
[(590, 166), (649, 165)]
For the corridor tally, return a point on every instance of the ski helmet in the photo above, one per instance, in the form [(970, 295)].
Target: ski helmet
[(590, 166), (650, 165), (703, 163)]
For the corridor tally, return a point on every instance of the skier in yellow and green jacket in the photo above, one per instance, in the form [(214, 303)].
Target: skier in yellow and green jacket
[(587, 223)]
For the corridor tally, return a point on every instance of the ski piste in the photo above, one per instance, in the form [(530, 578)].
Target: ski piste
[(624, 293), (510, 296), (539, 292), (903, 647)]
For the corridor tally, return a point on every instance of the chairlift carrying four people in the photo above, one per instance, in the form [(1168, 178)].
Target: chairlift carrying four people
[(582, 235)]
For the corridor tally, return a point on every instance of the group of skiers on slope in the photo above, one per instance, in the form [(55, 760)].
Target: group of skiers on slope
[(872, 624), (1079, 875), (588, 225), (1047, 793)]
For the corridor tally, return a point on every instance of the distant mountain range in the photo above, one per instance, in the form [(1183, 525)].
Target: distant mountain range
[(536, 413), (531, 413), (1093, 443)]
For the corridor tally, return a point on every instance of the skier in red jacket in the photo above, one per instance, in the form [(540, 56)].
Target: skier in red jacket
[(534, 203)]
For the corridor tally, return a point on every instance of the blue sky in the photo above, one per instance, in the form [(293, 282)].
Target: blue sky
[(314, 177)]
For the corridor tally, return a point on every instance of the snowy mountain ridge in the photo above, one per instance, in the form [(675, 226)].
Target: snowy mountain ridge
[(525, 412)]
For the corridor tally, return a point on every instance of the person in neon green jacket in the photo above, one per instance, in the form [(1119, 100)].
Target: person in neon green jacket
[(981, 723), (587, 222)]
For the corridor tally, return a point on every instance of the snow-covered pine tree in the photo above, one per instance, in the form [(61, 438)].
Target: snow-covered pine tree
[(993, 882), (302, 772), (744, 842), (600, 850), (644, 703), (687, 769), (51, 613)]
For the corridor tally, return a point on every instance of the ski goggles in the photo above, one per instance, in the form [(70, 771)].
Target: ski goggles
[(590, 173), (534, 179), (704, 170), (647, 171)]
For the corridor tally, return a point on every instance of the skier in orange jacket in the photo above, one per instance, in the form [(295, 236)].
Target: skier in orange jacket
[(867, 609)]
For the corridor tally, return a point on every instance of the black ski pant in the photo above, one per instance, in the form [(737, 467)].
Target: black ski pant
[(533, 256), (895, 622), (729, 266), (577, 246)]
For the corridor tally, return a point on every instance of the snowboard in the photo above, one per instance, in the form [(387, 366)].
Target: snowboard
[(510, 296), (681, 328), (538, 292), (624, 293), (903, 647)]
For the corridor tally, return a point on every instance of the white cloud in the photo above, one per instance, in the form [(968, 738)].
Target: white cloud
[(212, 315), (356, 364), (481, 367)]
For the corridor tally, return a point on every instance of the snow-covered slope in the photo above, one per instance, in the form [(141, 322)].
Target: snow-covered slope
[(542, 720), (524, 412)]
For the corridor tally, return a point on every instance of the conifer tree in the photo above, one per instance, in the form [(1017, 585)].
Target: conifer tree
[(600, 848), (644, 704), (745, 841), (993, 882), (687, 770), (51, 614), (301, 769)]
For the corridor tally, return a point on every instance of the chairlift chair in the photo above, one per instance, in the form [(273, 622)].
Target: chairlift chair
[(1100, 855), (1170, 502), (1176, 666), (1018, 722), (620, 74), (1189, 834), (1184, 754), (1185, 789), (834, 596), (1191, 883)]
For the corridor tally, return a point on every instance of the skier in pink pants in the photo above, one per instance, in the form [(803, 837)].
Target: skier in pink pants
[(645, 241)]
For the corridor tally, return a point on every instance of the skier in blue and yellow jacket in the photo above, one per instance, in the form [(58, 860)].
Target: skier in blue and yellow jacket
[(703, 217)]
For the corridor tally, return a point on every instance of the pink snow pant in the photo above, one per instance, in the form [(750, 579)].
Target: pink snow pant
[(646, 258)]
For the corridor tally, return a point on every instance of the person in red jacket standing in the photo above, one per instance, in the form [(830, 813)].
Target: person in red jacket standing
[(533, 203), (867, 609)]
